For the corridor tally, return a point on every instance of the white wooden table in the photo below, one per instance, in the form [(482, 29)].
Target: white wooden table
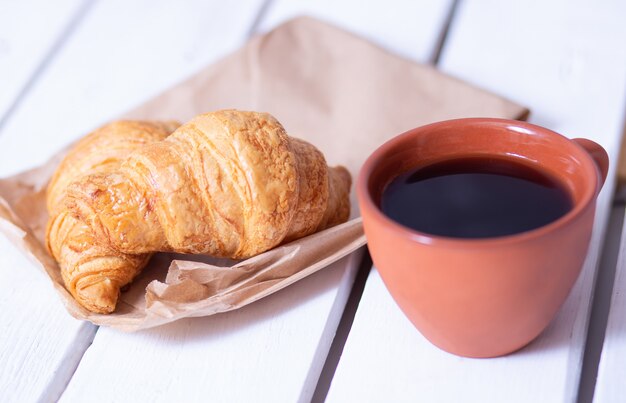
[(69, 65)]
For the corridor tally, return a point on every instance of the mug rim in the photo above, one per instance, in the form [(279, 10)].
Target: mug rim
[(374, 160)]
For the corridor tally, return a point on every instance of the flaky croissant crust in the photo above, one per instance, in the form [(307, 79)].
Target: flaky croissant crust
[(227, 183), (92, 271)]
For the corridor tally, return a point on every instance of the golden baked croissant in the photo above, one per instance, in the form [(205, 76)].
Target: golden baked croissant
[(92, 271), (228, 184)]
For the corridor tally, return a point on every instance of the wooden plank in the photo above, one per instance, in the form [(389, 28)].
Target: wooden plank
[(36, 360), (130, 52), (40, 344), (599, 315), (24, 50), (404, 27), (118, 56), (612, 371), (272, 350), (561, 59)]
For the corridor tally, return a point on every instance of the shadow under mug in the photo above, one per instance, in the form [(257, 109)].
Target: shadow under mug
[(491, 296)]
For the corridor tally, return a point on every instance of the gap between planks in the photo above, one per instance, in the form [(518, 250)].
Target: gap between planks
[(601, 305), (73, 23), (72, 358), (57, 387), (603, 286), (349, 313), (254, 28), (443, 35), (598, 307), (86, 334)]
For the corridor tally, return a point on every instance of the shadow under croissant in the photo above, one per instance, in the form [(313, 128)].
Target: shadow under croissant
[(190, 289), (223, 324), (156, 269)]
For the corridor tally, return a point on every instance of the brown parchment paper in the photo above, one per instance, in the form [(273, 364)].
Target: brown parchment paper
[(339, 92)]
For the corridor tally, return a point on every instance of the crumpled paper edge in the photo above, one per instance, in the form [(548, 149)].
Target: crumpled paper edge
[(190, 288)]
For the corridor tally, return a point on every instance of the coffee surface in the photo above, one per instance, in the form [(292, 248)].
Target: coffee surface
[(475, 198)]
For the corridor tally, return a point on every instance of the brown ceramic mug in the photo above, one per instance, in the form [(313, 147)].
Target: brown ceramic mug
[(482, 297)]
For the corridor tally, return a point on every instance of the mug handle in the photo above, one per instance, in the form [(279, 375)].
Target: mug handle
[(599, 155)]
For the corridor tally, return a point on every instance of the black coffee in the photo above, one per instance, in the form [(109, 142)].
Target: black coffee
[(475, 198)]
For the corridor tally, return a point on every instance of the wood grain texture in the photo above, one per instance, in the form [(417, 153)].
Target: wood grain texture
[(560, 59), (23, 50), (272, 350), (409, 28), (119, 55), (40, 344), (621, 167), (612, 368)]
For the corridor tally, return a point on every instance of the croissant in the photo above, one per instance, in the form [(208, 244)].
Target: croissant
[(94, 272), (228, 184)]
